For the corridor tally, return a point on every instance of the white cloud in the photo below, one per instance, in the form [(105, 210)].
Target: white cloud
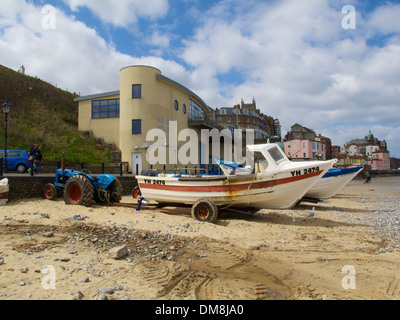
[(386, 19), (293, 58), (73, 56), (301, 66), (122, 13), (159, 40)]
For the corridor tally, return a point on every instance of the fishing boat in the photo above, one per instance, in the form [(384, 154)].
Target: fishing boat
[(332, 182), (274, 182)]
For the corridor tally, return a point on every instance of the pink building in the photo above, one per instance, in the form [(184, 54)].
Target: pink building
[(305, 149), (380, 160)]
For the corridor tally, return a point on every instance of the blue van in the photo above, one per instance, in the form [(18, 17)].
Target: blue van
[(17, 160)]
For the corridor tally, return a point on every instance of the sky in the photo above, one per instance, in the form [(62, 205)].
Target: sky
[(330, 65)]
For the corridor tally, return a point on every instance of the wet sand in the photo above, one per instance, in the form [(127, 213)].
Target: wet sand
[(49, 250)]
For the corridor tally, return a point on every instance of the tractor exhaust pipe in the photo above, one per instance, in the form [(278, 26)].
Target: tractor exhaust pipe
[(63, 166), (63, 162)]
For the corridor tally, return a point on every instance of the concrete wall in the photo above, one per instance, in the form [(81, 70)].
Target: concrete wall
[(27, 187)]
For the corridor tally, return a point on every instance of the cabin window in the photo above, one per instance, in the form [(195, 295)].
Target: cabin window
[(275, 154), (259, 157)]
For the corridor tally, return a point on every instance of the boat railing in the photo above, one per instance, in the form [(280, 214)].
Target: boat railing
[(222, 168)]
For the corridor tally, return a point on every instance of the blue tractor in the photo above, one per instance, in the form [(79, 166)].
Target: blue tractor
[(80, 188)]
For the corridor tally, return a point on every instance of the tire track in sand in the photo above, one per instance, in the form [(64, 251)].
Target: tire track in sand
[(212, 271)]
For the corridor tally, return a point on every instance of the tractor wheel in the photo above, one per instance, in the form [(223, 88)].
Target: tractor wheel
[(78, 191), (205, 210), (115, 189), (50, 191)]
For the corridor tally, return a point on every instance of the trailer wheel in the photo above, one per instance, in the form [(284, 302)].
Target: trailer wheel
[(136, 194), (205, 210), (50, 191), (78, 191)]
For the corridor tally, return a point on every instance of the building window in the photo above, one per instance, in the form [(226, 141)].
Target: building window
[(136, 126), (103, 109), (184, 109), (136, 91), (196, 112), (314, 146), (176, 105)]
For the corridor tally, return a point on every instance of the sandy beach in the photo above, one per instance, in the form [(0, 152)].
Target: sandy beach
[(349, 250)]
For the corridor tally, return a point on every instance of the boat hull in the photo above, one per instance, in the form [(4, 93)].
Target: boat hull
[(332, 182), (278, 190)]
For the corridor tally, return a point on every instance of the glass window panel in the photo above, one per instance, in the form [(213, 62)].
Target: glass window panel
[(105, 108), (13, 154), (136, 126), (136, 91)]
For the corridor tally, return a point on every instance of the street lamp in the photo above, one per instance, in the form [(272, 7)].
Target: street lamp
[(6, 109)]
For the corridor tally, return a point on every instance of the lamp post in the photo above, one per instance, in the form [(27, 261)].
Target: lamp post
[(6, 109)]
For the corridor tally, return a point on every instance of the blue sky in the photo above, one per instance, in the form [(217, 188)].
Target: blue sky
[(294, 57)]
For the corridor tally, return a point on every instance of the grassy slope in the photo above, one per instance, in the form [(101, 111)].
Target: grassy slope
[(47, 115)]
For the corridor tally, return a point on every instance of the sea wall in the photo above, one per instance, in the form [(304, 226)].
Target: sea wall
[(27, 187)]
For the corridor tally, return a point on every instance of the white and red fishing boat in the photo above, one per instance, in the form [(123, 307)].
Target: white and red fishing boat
[(274, 182), (332, 182)]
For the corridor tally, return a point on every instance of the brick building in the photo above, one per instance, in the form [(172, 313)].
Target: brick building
[(247, 116)]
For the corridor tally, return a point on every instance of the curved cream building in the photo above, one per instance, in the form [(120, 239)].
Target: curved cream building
[(146, 100)]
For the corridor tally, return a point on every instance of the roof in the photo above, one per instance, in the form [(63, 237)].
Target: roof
[(97, 96), (229, 111), (303, 128), (161, 77)]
